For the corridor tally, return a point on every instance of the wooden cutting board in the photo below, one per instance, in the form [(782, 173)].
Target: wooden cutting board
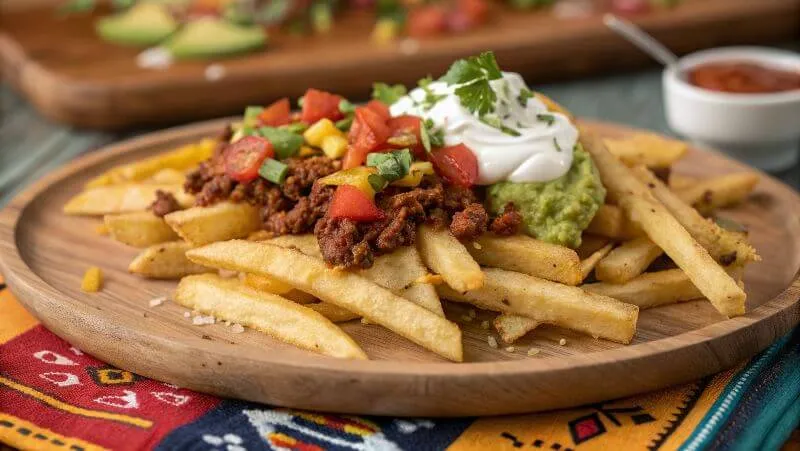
[(74, 77), (43, 255)]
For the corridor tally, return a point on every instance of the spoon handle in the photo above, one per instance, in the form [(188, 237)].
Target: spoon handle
[(640, 39)]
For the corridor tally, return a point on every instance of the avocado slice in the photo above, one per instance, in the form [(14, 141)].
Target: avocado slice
[(208, 37), (144, 24)]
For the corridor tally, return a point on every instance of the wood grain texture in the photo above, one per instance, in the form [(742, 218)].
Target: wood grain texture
[(74, 77), (43, 255)]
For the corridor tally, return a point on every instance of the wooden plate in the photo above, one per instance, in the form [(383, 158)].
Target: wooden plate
[(73, 76), (44, 253)]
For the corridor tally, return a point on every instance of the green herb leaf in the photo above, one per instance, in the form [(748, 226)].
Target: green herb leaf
[(431, 98), (387, 94), (555, 143), (477, 97), (273, 170), (549, 118), (483, 66), (391, 166), (284, 142), (377, 182), (431, 136), (524, 96), (496, 122)]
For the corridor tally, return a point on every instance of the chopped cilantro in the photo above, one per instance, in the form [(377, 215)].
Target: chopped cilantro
[(387, 94), (472, 76), (430, 98), (524, 95), (431, 136), (548, 118), (555, 143), (494, 121)]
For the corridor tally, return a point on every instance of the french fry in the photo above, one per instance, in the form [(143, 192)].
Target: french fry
[(528, 255), (590, 244), (284, 320), (678, 182), (650, 289), (165, 261), (728, 190), (627, 261), (647, 149), (106, 200), (181, 159), (139, 229), (220, 222), (664, 230), (589, 263), (168, 175), (333, 312), (274, 286), (445, 255), (347, 290), (398, 271), (610, 222), (552, 303), (724, 246), (513, 327)]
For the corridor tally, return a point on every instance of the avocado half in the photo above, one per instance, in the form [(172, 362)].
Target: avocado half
[(144, 24), (209, 37)]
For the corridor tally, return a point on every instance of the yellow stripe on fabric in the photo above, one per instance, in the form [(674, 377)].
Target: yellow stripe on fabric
[(23, 434), (61, 405), (14, 319)]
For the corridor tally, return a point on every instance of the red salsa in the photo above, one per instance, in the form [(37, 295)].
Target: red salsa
[(743, 78)]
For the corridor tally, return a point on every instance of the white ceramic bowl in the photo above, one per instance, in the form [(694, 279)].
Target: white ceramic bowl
[(762, 130)]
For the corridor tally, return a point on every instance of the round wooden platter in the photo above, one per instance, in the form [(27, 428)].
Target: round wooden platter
[(43, 255)]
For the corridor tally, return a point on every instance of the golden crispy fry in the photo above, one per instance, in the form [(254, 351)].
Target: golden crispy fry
[(347, 290), (650, 289), (139, 229), (223, 221), (92, 280), (513, 327), (648, 149), (678, 182), (101, 230), (589, 263), (401, 271), (528, 255), (168, 175), (333, 312), (724, 246), (710, 194), (445, 255), (664, 230), (627, 261), (551, 302), (165, 261), (182, 158), (107, 200), (610, 222), (266, 283), (231, 300)]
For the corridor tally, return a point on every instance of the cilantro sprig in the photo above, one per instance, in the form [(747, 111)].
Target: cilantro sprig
[(387, 94), (471, 76)]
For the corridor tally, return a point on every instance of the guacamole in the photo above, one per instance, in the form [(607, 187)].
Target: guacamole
[(559, 210)]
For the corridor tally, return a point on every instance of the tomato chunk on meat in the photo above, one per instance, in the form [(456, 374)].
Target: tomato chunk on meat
[(409, 125), (244, 157), (276, 114), (320, 105), (457, 164), (369, 130), (351, 203)]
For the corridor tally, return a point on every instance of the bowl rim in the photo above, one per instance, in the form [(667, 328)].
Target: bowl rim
[(673, 80)]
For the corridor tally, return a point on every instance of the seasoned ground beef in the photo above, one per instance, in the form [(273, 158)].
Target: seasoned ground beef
[(302, 216), (470, 223), (508, 222), (303, 172), (164, 204)]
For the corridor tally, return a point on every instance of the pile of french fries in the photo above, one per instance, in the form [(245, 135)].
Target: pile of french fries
[(284, 288)]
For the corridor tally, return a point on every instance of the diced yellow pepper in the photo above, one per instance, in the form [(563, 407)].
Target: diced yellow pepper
[(321, 130), (357, 177), (385, 31), (415, 174), (92, 280), (307, 151), (425, 167), (334, 146)]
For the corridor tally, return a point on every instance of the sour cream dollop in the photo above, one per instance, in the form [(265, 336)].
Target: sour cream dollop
[(541, 152)]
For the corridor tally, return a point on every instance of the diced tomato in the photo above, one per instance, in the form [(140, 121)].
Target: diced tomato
[(369, 130), (276, 114), (467, 15), (407, 124), (320, 105), (380, 108), (425, 21), (244, 157), (630, 7), (457, 164), (351, 203)]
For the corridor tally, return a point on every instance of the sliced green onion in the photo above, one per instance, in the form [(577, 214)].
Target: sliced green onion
[(426, 139), (297, 127), (391, 169), (375, 158), (284, 142), (273, 170), (403, 157), (377, 182), (344, 124), (252, 112), (346, 107)]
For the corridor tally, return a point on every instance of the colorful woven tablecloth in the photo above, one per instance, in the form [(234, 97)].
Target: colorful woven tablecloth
[(55, 397)]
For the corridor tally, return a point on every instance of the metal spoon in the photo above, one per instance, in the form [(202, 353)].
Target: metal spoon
[(639, 38)]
